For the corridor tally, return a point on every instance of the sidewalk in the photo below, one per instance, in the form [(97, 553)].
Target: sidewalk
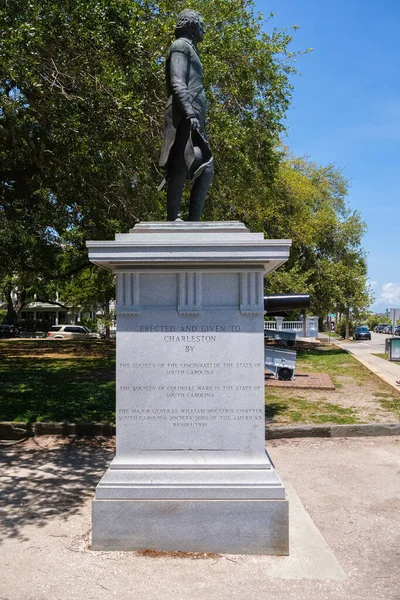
[(386, 370), (344, 530)]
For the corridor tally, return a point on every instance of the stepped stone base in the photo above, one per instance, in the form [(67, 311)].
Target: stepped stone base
[(230, 526)]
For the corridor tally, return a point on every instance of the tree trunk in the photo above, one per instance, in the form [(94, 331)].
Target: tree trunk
[(11, 315), (347, 323), (107, 318)]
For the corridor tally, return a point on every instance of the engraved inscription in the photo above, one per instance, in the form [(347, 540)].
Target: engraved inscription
[(191, 368), (165, 394), (190, 417), (190, 342), (190, 328)]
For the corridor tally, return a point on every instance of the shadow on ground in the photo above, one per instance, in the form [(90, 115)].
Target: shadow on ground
[(38, 484), (323, 350), (273, 409), (10, 349)]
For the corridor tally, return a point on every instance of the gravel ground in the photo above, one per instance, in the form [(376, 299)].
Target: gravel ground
[(349, 487)]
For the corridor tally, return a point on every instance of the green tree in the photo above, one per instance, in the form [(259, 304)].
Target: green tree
[(309, 206), (81, 118), (354, 294), (81, 121), (373, 320)]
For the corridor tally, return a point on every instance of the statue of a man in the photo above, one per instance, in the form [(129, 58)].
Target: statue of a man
[(186, 153)]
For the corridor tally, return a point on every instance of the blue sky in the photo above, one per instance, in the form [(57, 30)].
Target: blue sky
[(346, 111)]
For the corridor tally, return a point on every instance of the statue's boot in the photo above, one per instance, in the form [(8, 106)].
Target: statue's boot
[(176, 182), (199, 192)]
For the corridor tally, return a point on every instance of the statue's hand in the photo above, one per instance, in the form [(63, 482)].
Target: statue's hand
[(193, 123)]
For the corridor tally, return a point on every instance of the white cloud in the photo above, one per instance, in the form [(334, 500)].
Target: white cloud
[(388, 296), (391, 293)]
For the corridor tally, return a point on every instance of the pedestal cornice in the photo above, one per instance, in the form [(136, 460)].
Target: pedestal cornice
[(186, 245)]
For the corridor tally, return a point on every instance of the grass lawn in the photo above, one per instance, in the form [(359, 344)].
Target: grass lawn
[(326, 358), (43, 380), (335, 336), (59, 380), (359, 396), (297, 409), (386, 357)]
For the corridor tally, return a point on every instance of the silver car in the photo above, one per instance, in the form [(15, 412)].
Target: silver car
[(71, 332)]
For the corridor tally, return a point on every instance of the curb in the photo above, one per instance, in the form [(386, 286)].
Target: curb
[(332, 431), (78, 429), (16, 431), (23, 431)]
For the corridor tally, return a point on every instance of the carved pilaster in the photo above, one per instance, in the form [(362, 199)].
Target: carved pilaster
[(128, 293), (251, 293), (189, 300)]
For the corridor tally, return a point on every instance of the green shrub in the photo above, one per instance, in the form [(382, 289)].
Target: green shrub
[(341, 328), (91, 323)]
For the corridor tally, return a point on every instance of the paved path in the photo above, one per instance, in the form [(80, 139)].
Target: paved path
[(364, 350), (344, 532)]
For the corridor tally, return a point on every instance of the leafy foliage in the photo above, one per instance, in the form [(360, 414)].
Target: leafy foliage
[(81, 123), (342, 331), (327, 259), (373, 320)]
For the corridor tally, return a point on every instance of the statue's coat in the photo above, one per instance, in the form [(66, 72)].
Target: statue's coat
[(186, 97)]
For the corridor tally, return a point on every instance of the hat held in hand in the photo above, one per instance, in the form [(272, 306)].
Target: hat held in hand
[(197, 155)]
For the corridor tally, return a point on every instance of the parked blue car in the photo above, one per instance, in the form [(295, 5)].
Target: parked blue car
[(362, 333)]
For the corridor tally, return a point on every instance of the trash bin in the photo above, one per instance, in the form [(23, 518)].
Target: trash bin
[(394, 349)]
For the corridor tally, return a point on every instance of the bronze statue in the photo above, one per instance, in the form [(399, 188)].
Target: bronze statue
[(186, 154)]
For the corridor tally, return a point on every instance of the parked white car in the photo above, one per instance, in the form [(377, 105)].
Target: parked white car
[(71, 332)]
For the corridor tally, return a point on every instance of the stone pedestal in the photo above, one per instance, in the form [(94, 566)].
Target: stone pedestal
[(191, 472)]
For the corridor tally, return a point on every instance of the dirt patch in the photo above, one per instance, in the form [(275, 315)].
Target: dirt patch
[(149, 553), (364, 397), (359, 397)]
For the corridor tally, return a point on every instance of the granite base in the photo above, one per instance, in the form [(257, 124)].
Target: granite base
[(228, 526)]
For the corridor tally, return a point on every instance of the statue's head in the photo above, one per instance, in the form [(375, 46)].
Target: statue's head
[(190, 24)]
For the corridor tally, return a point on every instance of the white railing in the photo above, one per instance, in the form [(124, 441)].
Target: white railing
[(294, 326)]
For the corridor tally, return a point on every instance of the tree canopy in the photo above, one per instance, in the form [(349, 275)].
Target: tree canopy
[(327, 259), (82, 97)]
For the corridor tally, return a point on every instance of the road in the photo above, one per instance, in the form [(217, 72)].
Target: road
[(375, 346)]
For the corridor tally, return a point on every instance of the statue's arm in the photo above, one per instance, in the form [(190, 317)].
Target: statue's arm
[(179, 71)]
